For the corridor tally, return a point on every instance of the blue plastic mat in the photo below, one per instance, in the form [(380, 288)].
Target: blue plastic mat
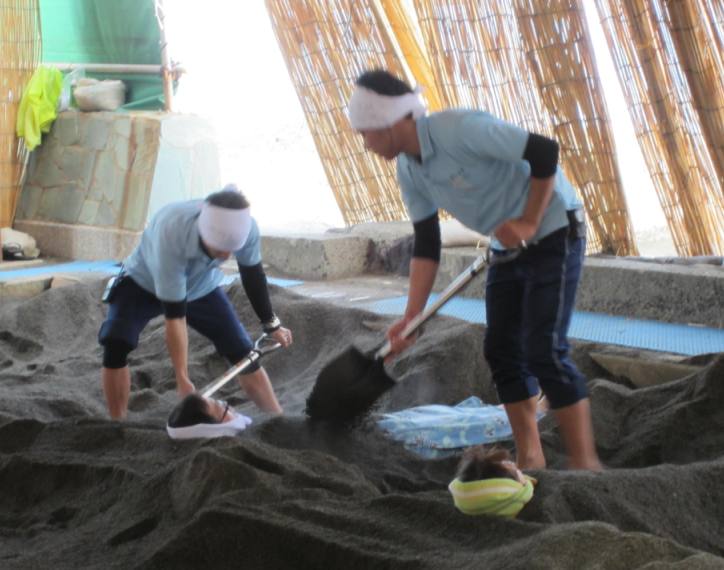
[(229, 279), (595, 327), (106, 266)]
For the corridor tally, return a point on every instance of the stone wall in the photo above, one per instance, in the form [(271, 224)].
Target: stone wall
[(98, 177)]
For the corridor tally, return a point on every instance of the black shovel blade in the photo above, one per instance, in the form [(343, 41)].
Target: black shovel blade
[(348, 387)]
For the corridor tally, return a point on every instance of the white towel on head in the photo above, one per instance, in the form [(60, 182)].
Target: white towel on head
[(369, 110), (209, 431), (225, 229)]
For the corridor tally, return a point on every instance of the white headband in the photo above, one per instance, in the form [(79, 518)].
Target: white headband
[(371, 111), (225, 229), (210, 431)]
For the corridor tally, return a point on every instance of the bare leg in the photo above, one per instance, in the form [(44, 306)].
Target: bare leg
[(258, 386), (574, 422), (523, 422), (117, 388)]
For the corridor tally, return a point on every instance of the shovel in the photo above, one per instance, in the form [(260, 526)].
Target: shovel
[(348, 387), (263, 345)]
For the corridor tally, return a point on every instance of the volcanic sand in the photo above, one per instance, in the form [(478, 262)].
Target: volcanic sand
[(80, 491)]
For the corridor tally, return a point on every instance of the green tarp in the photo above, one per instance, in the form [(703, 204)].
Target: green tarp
[(106, 31)]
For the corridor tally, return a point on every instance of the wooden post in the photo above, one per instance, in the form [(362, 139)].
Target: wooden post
[(166, 70)]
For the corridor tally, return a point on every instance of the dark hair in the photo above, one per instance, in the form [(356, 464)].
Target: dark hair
[(383, 83), (230, 197), (191, 411), (478, 463)]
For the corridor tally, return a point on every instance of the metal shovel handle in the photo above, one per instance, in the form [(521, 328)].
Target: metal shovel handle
[(450, 291), (263, 345)]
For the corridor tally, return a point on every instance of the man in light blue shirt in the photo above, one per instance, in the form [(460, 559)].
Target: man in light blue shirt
[(499, 179), (175, 271)]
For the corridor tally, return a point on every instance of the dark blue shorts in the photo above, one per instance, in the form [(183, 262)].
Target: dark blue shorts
[(212, 315), (529, 302)]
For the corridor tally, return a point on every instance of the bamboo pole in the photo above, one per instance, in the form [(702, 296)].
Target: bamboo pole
[(20, 51), (666, 123), (140, 68), (528, 62), (166, 70)]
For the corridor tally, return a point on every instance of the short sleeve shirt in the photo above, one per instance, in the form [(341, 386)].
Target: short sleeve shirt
[(472, 166), (170, 262)]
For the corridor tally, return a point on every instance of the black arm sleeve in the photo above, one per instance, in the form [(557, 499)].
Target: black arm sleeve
[(174, 310), (542, 155), (427, 238), (254, 280)]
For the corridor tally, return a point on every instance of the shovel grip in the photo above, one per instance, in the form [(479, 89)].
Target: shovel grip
[(453, 289)]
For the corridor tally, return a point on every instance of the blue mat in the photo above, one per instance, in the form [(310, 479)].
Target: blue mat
[(595, 327), (229, 279), (106, 266)]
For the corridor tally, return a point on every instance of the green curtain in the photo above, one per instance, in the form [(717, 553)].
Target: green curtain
[(106, 31)]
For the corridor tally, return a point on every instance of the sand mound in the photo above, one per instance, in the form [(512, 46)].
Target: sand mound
[(80, 491)]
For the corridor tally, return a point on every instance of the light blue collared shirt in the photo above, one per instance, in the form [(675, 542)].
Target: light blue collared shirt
[(169, 261), (472, 166)]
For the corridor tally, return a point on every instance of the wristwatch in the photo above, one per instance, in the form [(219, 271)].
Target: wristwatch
[(272, 325)]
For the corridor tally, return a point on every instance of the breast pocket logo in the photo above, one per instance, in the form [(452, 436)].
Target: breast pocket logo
[(459, 182)]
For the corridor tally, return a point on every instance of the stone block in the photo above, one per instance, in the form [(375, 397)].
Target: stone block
[(453, 261), (133, 217), (29, 201), (317, 257), (120, 147), (122, 125), (145, 139), (676, 294), (66, 129), (109, 181), (106, 216), (47, 172), (680, 294), (75, 241), (95, 129), (24, 288), (61, 203), (76, 164), (104, 169), (88, 212), (642, 371)]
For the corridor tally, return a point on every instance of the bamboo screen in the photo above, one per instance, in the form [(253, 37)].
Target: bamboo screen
[(530, 62), (403, 25), (20, 51), (327, 45), (668, 57)]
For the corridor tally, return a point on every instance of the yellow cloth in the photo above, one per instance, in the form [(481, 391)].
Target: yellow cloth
[(501, 497), (38, 107)]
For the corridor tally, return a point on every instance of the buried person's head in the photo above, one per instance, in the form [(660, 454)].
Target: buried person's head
[(489, 482), (195, 409), (199, 417)]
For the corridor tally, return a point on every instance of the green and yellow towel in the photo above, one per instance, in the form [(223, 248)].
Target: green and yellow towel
[(500, 497), (38, 106)]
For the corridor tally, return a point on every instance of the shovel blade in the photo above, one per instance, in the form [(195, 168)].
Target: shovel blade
[(348, 387)]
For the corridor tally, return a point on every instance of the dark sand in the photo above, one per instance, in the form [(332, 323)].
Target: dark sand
[(80, 491)]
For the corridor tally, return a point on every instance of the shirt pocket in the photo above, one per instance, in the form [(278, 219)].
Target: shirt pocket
[(450, 176)]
